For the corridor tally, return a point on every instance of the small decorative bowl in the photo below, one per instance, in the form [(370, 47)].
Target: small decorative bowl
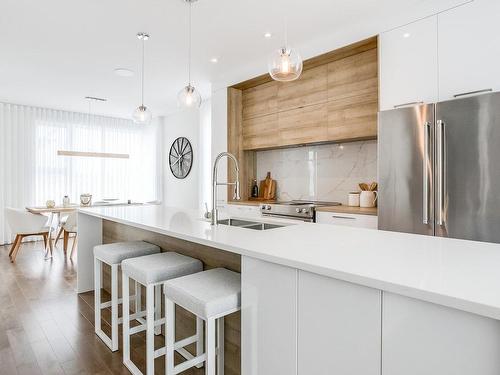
[(50, 203)]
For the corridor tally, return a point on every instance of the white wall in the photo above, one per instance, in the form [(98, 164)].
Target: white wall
[(182, 193), (219, 136)]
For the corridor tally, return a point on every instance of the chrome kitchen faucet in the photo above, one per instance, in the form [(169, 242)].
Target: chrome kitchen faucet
[(215, 212)]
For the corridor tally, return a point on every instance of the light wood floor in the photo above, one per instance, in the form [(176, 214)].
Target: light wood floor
[(46, 328)]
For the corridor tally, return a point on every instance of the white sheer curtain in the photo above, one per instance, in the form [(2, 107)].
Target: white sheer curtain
[(31, 172)]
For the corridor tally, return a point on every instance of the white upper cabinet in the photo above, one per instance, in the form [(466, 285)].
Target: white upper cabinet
[(409, 64), (469, 50)]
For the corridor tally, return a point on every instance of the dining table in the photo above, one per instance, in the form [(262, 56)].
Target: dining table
[(58, 211)]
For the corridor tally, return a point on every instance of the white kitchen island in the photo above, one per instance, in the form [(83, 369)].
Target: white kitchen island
[(323, 299)]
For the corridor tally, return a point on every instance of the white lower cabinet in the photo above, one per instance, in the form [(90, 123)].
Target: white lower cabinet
[(350, 220), (240, 210), (268, 318), (339, 327), (423, 338)]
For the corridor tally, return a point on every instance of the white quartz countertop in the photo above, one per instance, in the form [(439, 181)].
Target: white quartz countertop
[(455, 273)]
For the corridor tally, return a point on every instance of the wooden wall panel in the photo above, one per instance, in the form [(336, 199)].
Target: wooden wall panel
[(303, 125), (211, 258), (350, 119), (354, 76), (261, 132), (235, 145), (310, 88), (261, 100)]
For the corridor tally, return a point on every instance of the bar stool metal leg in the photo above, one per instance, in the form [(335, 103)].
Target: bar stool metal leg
[(210, 347), (97, 295), (150, 329), (114, 307), (157, 308), (220, 346), (126, 318), (170, 339), (199, 343)]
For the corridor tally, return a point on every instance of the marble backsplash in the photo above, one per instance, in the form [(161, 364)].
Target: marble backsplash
[(322, 172)]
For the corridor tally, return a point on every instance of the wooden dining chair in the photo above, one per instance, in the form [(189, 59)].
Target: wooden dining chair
[(70, 227), (25, 224)]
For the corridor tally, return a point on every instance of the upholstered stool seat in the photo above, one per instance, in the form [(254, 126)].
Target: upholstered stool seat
[(206, 294), (210, 295), (160, 267), (113, 254), (152, 271)]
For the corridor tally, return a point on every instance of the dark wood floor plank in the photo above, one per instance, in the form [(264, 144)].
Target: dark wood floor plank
[(46, 328), (47, 361)]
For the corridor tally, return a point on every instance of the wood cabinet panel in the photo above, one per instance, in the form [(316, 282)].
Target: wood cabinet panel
[(352, 118), (310, 88), (303, 125), (260, 100), (353, 76), (261, 132)]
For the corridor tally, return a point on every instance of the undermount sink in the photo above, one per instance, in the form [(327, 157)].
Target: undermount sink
[(255, 225)]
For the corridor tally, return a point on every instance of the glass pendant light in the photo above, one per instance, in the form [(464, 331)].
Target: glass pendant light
[(285, 64), (189, 97), (142, 115)]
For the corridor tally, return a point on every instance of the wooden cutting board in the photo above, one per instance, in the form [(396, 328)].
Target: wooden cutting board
[(267, 188)]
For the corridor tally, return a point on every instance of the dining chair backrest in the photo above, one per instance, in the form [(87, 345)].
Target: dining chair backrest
[(71, 222), (21, 221)]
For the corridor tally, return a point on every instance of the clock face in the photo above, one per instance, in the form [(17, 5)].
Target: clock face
[(181, 157)]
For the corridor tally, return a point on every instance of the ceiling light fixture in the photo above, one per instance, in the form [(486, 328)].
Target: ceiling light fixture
[(285, 64), (406, 35), (142, 115), (268, 35), (189, 97), (214, 60)]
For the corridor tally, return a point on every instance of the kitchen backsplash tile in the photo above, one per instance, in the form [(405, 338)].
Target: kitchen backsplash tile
[(323, 172)]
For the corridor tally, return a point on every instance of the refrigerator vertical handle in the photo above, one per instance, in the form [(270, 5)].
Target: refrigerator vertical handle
[(440, 142), (425, 174)]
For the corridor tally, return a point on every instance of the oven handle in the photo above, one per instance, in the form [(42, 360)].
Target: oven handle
[(305, 219)]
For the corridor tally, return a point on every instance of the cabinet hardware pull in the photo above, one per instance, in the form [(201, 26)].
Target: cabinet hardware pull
[(441, 165), (408, 104), (425, 208), (344, 217), (472, 92)]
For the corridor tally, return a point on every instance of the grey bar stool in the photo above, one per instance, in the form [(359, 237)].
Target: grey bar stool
[(113, 254), (210, 295), (152, 271)]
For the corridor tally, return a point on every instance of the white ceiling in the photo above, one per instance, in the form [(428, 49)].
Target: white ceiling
[(53, 53)]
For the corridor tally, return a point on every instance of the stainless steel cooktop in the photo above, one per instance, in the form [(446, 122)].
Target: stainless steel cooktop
[(296, 209)]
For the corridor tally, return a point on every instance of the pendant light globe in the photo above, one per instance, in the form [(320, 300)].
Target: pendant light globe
[(142, 115), (285, 65), (189, 97)]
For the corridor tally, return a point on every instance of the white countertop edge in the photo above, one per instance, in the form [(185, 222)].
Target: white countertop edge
[(424, 295)]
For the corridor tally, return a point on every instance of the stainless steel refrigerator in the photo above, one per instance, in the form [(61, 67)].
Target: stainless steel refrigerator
[(439, 169)]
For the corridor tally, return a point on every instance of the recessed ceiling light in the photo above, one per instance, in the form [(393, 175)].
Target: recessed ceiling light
[(268, 35), (122, 72), (214, 60), (406, 35)]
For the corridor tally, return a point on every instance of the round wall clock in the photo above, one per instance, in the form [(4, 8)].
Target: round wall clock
[(181, 157)]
